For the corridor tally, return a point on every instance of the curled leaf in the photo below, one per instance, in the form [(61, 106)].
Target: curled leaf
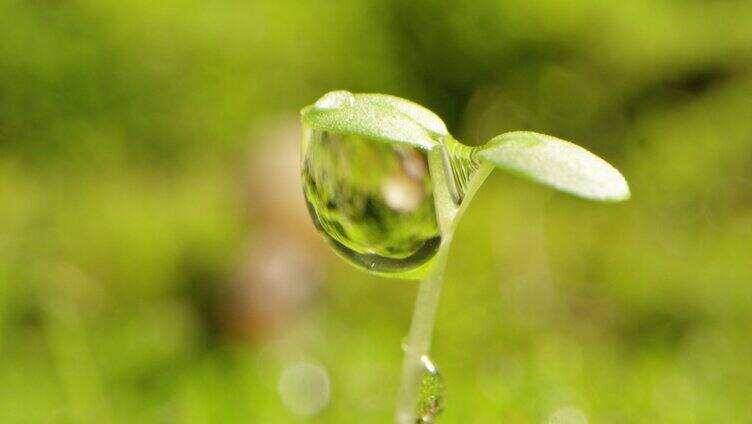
[(375, 116)]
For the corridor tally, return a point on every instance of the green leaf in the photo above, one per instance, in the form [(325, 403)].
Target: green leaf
[(556, 163), (421, 115), (375, 116)]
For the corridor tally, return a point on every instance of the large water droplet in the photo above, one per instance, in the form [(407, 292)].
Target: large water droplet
[(431, 395), (373, 201)]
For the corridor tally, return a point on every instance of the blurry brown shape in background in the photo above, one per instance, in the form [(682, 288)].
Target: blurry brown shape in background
[(282, 269)]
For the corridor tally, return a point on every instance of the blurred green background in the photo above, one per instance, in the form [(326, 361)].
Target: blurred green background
[(157, 263)]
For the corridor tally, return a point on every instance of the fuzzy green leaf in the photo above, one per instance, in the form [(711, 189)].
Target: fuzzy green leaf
[(556, 163), (375, 116), (421, 115)]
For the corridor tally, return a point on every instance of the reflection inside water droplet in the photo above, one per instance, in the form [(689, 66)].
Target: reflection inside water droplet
[(372, 201), (431, 395)]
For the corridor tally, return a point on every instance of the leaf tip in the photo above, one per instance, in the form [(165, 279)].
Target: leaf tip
[(558, 164)]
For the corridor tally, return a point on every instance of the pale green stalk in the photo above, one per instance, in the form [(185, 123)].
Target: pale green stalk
[(418, 341), (538, 157)]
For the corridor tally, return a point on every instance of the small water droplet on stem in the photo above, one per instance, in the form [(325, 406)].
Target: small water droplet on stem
[(431, 395)]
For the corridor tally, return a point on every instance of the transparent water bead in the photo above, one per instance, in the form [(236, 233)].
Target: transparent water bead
[(431, 395), (374, 201)]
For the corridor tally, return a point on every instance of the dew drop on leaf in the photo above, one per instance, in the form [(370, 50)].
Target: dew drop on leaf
[(431, 395), (372, 201)]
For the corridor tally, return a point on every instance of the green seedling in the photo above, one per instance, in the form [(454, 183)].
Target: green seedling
[(386, 185)]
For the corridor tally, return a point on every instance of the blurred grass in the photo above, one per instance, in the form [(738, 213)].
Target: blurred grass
[(126, 215)]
